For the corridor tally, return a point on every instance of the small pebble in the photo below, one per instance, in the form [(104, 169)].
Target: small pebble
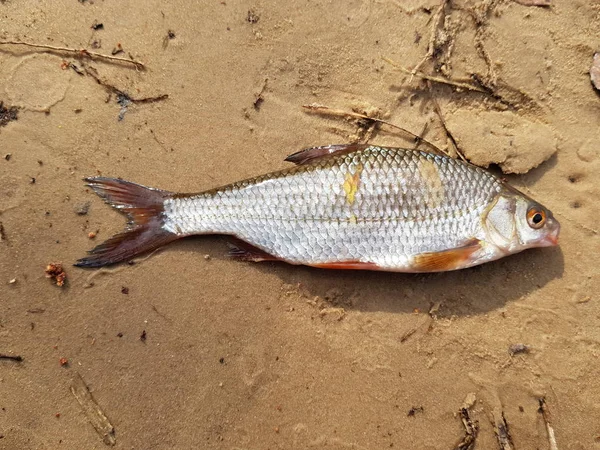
[(518, 348), (81, 209)]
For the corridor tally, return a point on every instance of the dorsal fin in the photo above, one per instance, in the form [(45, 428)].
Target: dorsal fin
[(312, 153)]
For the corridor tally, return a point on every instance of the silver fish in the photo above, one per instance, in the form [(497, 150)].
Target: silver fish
[(344, 207)]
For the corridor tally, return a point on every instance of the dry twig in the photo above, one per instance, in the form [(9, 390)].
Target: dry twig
[(543, 409), (16, 358), (471, 430), (438, 18), (93, 412), (76, 52), (501, 430), (458, 84), (320, 109), (438, 111)]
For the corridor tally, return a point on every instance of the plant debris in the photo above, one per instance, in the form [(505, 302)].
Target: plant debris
[(7, 115), (93, 412), (123, 98), (502, 433), (118, 49), (252, 16), (534, 2), (414, 410), (16, 358), (543, 410), (2, 233), (97, 26), (143, 336), (81, 53), (55, 272), (169, 37), (124, 101), (362, 118), (258, 98), (471, 430), (594, 72)]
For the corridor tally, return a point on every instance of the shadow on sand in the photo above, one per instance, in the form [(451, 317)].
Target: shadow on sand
[(477, 290)]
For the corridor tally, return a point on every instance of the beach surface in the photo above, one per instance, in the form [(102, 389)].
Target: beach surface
[(190, 349)]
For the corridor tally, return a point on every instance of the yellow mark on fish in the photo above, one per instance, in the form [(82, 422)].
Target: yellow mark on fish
[(353, 220), (431, 176), (351, 182)]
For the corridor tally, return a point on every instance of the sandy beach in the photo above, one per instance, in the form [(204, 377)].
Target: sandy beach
[(190, 349)]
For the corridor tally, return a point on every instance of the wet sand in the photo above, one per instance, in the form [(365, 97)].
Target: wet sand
[(238, 355)]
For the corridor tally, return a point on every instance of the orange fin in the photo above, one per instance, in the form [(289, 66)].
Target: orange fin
[(310, 154), (144, 208), (347, 265), (446, 260), (247, 252)]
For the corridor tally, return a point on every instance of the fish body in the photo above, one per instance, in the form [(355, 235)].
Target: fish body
[(355, 207)]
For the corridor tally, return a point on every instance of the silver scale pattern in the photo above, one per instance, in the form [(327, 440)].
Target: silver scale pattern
[(302, 215)]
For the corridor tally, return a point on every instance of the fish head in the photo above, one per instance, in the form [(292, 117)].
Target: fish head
[(515, 222)]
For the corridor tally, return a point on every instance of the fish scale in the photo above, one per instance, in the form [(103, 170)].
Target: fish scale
[(406, 203)]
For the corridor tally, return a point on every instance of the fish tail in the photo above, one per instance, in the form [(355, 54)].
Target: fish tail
[(144, 208)]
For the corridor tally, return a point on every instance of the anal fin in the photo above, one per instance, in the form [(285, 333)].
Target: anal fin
[(310, 154), (247, 252)]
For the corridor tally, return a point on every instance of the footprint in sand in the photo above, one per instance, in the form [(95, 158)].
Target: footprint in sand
[(38, 82)]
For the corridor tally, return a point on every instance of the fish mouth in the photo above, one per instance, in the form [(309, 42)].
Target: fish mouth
[(551, 239)]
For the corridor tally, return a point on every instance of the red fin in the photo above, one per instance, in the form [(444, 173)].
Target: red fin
[(247, 252), (446, 260), (312, 153), (144, 208), (347, 265)]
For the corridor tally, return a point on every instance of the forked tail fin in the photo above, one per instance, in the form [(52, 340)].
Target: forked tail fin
[(144, 208)]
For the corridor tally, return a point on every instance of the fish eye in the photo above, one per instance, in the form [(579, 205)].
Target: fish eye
[(536, 218)]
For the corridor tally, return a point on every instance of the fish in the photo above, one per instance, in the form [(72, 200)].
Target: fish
[(350, 206)]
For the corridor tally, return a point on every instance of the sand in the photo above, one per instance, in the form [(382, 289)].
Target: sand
[(269, 356)]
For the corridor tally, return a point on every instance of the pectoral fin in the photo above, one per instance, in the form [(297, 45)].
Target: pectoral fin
[(455, 258), (310, 154)]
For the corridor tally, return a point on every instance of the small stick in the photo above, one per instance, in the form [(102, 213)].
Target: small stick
[(438, 111), (419, 138), (16, 358), (501, 431), (91, 409), (320, 109), (437, 20), (441, 80), (543, 409), (76, 52), (471, 430), (91, 71)]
